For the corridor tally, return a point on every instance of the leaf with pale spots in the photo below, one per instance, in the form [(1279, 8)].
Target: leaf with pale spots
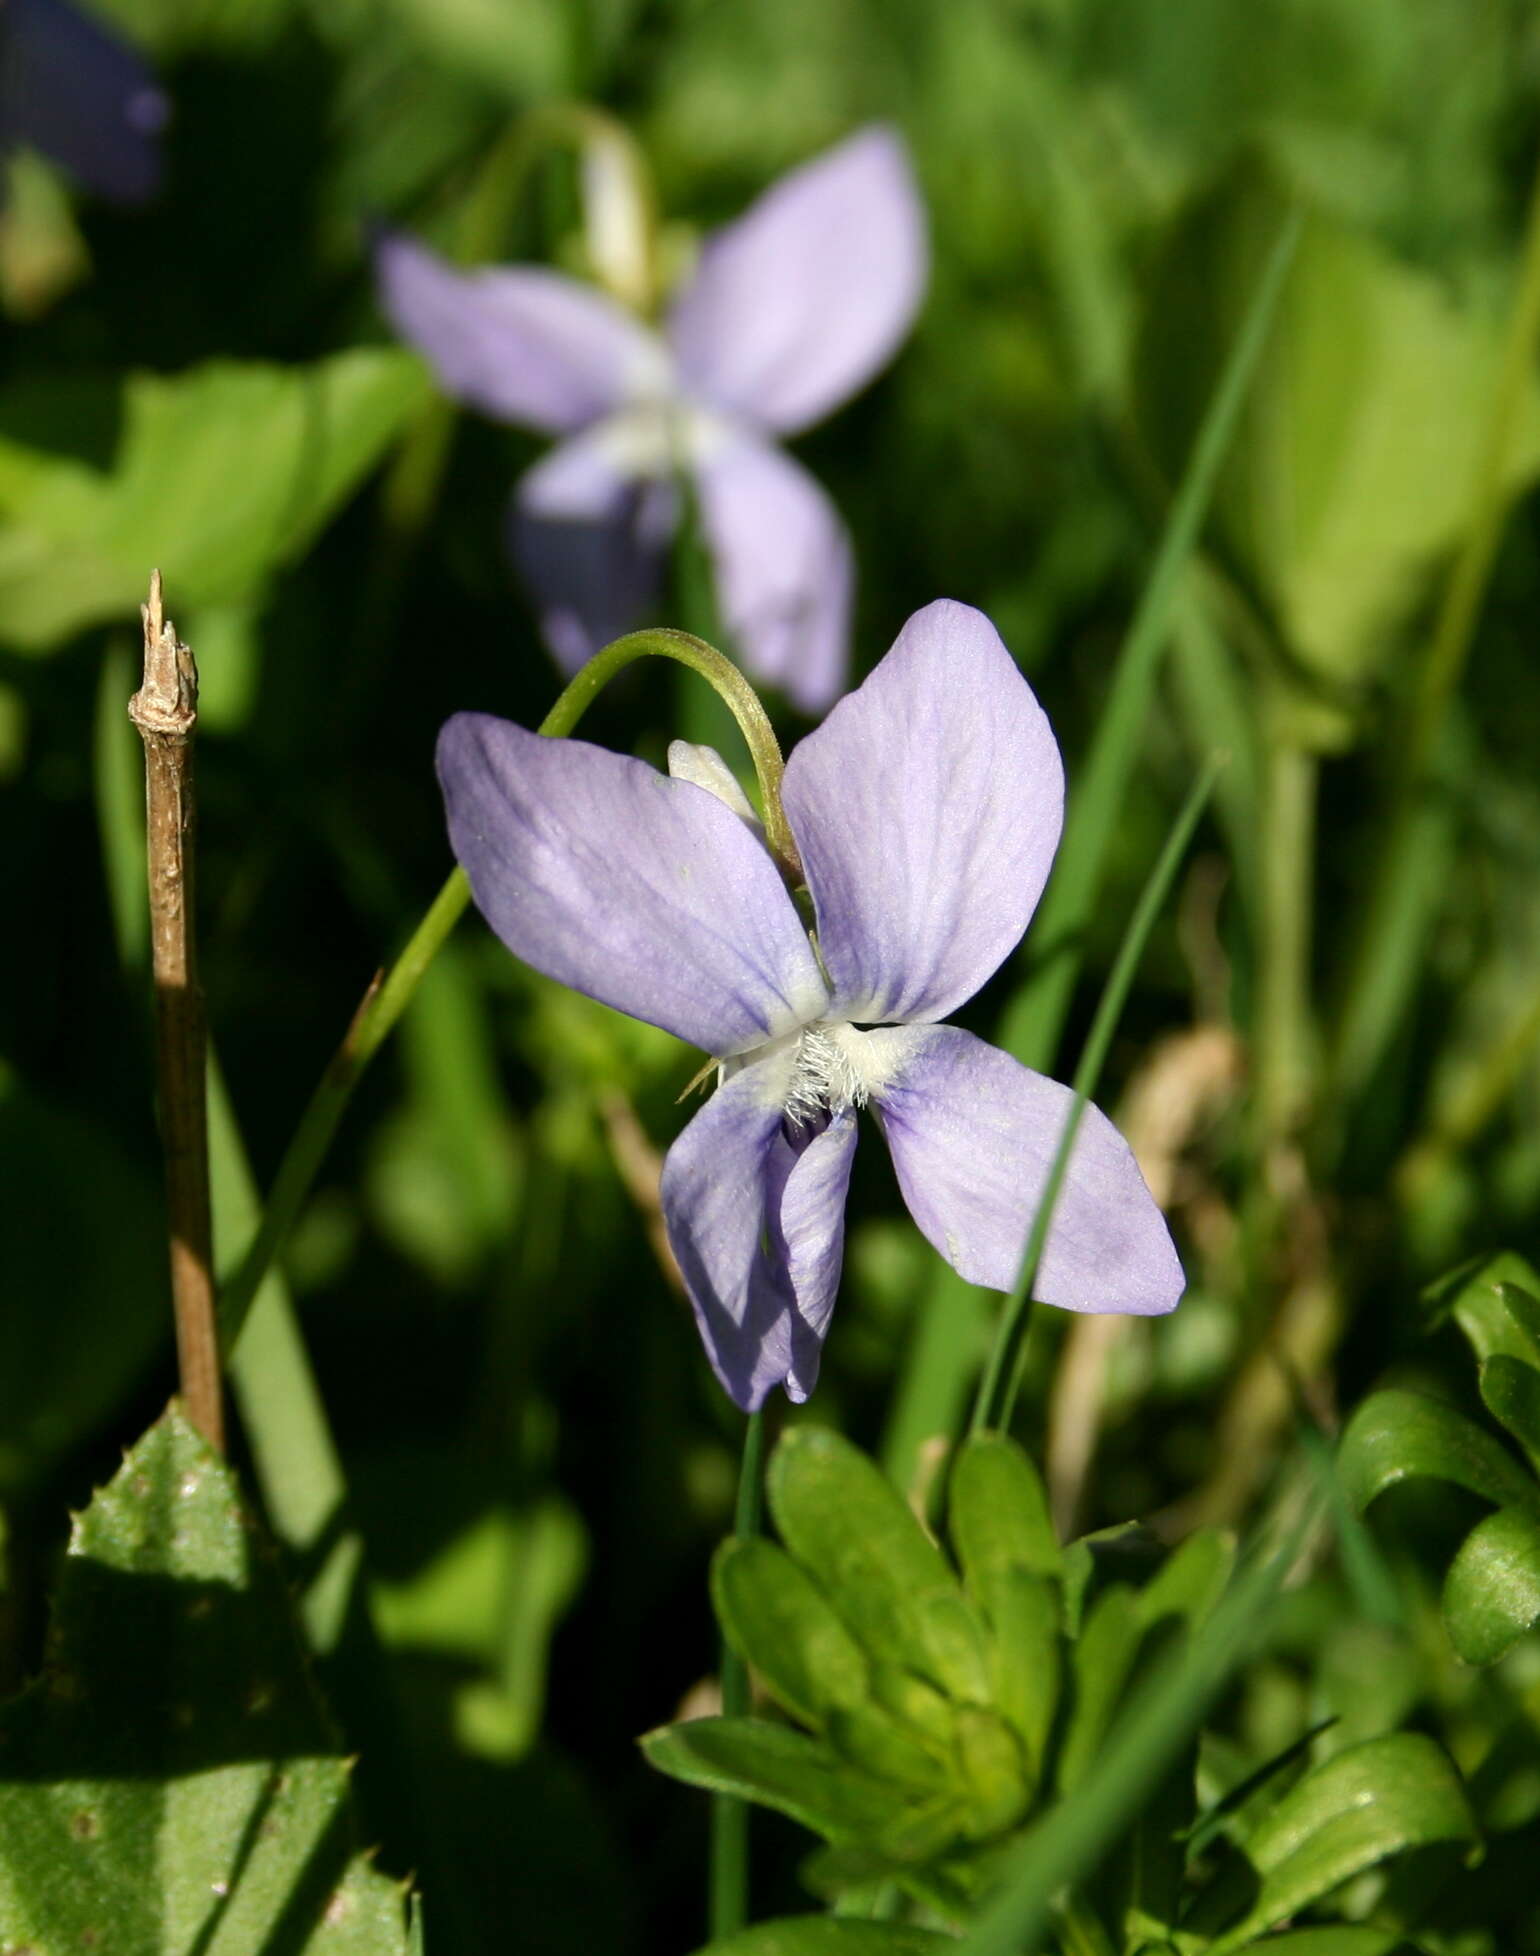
[(171, 1782)]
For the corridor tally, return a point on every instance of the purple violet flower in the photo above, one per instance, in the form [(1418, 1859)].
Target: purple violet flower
[(70, 88), (791, 309), (927, 809)]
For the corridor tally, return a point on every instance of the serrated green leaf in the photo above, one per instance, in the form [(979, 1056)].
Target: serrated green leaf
[(778, 1620), (997, 1514), (1492, 1590), (779, 1768), (171, 1783), (824, 1935), (845, 1521), (1371, 1801), (1510, 1389), (1397, 1435), (218, 475)]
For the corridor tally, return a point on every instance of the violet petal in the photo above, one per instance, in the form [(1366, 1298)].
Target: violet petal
[(756, 1222), (643, 892), (927, 809), (805, 297), (591, 543), (522, 344), (973, 1135), (75, 91), (783, 568)]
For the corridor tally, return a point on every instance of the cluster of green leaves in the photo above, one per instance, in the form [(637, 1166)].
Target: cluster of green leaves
[(939, 1712), (1491, 1593)]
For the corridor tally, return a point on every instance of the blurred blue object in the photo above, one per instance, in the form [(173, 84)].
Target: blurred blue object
[(74, 91)]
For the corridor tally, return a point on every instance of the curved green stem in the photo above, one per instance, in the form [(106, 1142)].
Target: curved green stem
[(389, 994)]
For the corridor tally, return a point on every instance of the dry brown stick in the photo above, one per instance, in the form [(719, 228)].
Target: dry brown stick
[(165, 710)]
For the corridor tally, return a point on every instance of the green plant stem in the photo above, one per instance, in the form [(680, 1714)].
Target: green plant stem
[(1281, 1038), (1002, 1375), (389, 995), (1486, 1088), (1036, 1019), (1370, 1006), (728, 1898)]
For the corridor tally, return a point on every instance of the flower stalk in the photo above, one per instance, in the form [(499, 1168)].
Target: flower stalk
[(165, 711)]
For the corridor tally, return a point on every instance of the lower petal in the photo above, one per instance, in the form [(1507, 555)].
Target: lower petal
[(756, 1222), (973, 1135), (590, 541), (783, 567)]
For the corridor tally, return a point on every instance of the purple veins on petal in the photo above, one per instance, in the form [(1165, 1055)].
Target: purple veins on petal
[(927, 810), (645, 893), (973, 1135)]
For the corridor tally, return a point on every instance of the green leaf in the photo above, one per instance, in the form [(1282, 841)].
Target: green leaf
[(1191, 1580), (1494, 1302), (1103, 1658), (1358, 448), (1397, 1435), (1511, 1391), (1384, 1797), (778, 1620), (997, 1514), (1026, 1660), (1492, 1590), (218, 475), (776, 1766), (1335, 1941), (844, 1520), (171, 1783), (824, 1935)]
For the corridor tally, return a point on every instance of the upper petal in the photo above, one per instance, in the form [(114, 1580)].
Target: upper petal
[(520, 343), (590, 541), (80, 95), (643, 892), (805, 297), (927, 809), (973, 1135), (783, 567), (756, 1220)]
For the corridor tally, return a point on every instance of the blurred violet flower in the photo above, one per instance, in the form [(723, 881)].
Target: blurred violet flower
[(71, 89), (926, 809), (791, 309)]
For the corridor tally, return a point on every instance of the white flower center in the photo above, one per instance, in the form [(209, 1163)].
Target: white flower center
[(834, 1071)]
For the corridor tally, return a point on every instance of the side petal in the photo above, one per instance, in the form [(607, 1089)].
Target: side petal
[(927, 809), (973, 1135), (783, 565), (757, 1224), (590, 540), (643, 892), (520, 343), (806, 296), (80, 95)]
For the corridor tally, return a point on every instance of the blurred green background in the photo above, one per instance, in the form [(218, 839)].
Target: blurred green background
[(1330, 1062)]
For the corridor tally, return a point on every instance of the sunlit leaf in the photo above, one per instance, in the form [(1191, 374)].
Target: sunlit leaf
[(1397, 1435), (777, 1766), (1492, 1590), (781, 1623)]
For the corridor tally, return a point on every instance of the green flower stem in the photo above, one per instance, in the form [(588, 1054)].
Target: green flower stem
[(387, 998), (728, 1898), (1003, 1374), (1282, 1036), (1371, 1006)]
